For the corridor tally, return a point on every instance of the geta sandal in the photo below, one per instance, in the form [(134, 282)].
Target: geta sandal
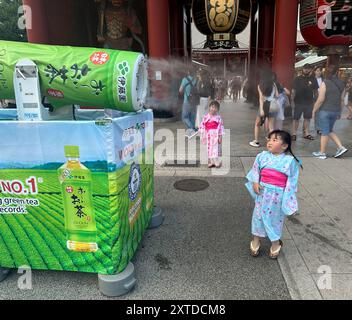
[(254, 252), (275, 254)]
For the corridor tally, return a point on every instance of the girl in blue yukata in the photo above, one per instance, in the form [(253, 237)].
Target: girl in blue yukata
[(272, 182)]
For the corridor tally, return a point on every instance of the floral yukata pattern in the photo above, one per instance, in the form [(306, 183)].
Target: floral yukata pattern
[(274, 203), (211, 129)]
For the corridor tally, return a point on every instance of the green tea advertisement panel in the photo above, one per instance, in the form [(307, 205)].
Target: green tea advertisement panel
[(75, 195)]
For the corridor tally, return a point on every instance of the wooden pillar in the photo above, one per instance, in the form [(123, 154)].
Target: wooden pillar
[(58, 22), (266, 32), (158, 28), (252, 55), (284, 56), (159, 48), (177, 48), (39, 31)]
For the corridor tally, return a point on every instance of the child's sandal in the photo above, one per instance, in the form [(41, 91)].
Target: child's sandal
[(275, 254), (254, 252)]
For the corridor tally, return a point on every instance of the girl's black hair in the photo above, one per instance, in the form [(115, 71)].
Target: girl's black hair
[(215, 103), (286, 138)]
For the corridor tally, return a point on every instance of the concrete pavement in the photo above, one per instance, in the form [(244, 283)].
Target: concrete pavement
[(201, 251), (317, 257)]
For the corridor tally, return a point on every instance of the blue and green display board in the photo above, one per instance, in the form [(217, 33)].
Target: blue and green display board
[(75, 195)]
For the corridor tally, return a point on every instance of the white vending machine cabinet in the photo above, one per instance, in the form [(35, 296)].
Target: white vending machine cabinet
[(27, 91)]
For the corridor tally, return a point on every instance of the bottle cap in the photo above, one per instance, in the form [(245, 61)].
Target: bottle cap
[(72, 151)]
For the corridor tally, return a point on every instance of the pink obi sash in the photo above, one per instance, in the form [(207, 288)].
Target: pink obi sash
[(212, 125), (273, 177)]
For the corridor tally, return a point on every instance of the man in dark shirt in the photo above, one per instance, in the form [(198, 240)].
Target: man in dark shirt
[(303, 92)]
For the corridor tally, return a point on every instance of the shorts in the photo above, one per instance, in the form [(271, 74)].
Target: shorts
[(326, 121), (307, 111)]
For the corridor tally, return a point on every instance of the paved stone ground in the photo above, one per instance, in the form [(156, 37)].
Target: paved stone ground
[(201, 251), (317, 256)]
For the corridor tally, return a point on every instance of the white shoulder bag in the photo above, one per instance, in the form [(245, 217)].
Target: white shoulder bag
[(274, 104)]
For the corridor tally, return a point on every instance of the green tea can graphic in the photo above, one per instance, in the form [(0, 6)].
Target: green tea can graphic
[(95, 77)]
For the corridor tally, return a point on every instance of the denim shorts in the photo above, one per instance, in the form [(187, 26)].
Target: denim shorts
[(326, 121)]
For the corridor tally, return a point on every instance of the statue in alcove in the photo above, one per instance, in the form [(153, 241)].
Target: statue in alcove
[(118, 25)]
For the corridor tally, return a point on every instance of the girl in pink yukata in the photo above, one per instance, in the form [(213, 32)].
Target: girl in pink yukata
[(212, 130), (272, 182)]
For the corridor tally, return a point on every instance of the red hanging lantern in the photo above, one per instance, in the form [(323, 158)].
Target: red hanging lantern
[(221, 20), (327, 24)]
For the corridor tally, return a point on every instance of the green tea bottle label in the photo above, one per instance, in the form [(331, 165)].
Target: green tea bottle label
[(76, 183)]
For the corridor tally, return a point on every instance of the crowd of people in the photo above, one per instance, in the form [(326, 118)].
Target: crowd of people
[(198, 90), (273, 179), (313, 97)]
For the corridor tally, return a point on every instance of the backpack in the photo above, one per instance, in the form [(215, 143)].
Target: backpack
[(193, 97), (204, 89)]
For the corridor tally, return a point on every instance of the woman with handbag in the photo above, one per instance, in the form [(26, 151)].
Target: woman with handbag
[(284, 102), (268, 105)]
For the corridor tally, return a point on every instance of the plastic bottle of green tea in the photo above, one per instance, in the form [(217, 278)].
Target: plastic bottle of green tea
[(76, 186)]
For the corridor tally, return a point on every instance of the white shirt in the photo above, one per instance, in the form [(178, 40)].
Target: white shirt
[(320, 81)]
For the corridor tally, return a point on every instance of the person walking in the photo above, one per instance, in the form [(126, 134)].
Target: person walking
[(302, 99), (329, 105), (348, 98), (235, 89), (205, 90), (267, 93), (318, 73), (189, 107), (222, 89), (217, 88), (283, 101)]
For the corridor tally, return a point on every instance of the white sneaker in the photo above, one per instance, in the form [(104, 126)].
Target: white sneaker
[(340, 152), (254, 144), (319, 155), (192, 134)]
